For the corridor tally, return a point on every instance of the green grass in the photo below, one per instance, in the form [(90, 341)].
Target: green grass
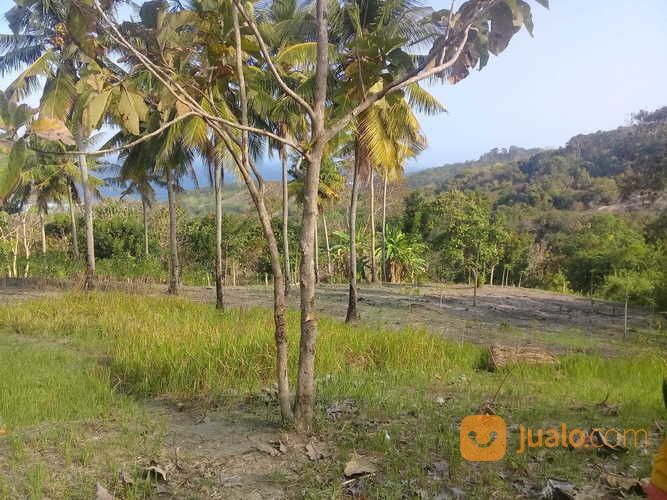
[(66, 427), (43, 382), (171, 347)]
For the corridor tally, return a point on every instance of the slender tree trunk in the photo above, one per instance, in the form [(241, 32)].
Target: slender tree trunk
[(326, 240), (493, 268), (144, 217), (72, 216), (384, 228), (219, 267), (474, 287), (89, 282), (305, 393), (352, 313), (16, 255), (26, 249), (174, 266), (374, 275), (317, 253), (279, 285), (306, 373), (42, 231), (283, 160)]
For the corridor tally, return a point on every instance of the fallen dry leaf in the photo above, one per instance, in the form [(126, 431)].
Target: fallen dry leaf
[(623, 483), (557, 489), (268, 449), (280, 446), (358, 466), (154, 471), (315, 451), (602, 442)]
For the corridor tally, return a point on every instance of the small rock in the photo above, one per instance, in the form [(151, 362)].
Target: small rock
[(101, 493)]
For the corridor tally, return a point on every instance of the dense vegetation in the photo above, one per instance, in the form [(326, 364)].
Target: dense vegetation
[(586, 218), (504, 218)]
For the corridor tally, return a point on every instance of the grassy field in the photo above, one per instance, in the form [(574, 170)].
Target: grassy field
[(82, 371)]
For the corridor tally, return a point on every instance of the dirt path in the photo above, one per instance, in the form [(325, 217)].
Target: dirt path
[(227, 452)]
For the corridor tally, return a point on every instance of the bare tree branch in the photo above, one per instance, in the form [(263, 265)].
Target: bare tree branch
[(267, 58), (179, 92)]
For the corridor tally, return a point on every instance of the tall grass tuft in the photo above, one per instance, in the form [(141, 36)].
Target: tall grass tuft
[(174, 347)]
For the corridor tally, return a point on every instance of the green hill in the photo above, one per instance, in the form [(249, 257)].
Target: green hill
[(621, 168)]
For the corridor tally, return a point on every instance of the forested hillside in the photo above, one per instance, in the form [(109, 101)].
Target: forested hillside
[(621, 168), (436, 177), (589, 217)]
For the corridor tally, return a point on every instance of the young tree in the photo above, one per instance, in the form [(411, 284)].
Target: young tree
[(626, 285)]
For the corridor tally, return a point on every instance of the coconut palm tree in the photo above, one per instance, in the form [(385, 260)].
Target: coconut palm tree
[(52, 42), (374, 33), (136, 179)]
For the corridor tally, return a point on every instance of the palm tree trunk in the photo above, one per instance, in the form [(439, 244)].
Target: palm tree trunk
[(283, 160), (89, 282), (72, 216), (352, 313), (384, 227), (374, 276), (326, 239), (219, 267), (174, 267), (144, 216), (42, 231)]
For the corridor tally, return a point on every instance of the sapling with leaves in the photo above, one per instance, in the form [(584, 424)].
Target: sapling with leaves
[(628, 285)]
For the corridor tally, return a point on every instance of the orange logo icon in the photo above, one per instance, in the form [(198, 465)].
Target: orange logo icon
[(483, 438)]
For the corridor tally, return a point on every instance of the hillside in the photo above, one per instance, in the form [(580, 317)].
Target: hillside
[(435, 177), (625, 168)]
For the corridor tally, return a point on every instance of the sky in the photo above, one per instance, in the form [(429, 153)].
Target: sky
[(590, 64)]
